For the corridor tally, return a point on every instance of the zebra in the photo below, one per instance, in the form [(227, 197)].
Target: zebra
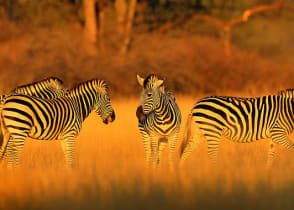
[(59, 118), (241, 120), (159, 119), (51, 87)]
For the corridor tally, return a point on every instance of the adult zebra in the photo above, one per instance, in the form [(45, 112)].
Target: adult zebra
[(241, 120), (159, 119), (59, 118), (51, 87)]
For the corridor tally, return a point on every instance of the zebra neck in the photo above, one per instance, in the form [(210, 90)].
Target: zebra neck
[(85, 102), (290, 109), (163, 106)]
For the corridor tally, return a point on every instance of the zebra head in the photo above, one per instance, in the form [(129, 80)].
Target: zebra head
[(150, 96), (103, 105)]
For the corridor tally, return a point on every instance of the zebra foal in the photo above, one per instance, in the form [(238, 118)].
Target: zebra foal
[(159, 119), (241, 120), (59, 118)]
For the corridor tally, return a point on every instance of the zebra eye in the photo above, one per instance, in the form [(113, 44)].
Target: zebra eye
[(149, 94)]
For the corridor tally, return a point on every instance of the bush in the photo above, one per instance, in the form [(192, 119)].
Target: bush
[(40, 12)]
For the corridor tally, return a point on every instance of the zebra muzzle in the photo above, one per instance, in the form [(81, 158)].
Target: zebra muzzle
[(110, 118)]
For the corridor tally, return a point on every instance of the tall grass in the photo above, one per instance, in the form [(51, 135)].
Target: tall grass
[(110, 173)]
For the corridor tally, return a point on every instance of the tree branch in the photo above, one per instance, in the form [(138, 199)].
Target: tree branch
[(220, 23)]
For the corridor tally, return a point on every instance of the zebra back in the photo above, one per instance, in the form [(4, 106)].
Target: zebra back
[(51, 87)]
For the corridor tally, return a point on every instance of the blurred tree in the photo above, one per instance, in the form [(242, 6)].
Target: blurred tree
[(121, 11), (90, 20), (128, 27), (125, 13), (225, 26), (94, 15), (101, 6)]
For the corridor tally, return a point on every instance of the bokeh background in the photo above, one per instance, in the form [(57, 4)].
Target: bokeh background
[(242, 48), (198, 46)]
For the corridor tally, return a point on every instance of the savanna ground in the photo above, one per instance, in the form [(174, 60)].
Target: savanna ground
[(110, 173)]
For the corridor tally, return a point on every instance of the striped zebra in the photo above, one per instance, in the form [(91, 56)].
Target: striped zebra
[(241, 120), (51, 87), (159, 119), (59, 118)]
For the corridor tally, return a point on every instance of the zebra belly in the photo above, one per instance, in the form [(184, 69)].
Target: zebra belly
[(50, 132), (245, 136), (231, 130)]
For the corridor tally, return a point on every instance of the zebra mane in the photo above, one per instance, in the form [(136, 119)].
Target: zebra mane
[(287, 92), (53, 82), (99, 84), (150, 81)]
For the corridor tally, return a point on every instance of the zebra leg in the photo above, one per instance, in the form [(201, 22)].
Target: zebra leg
[(270, 155), (8, 149), (6, 138), (14, 149), (279, 136), (194, 142), (171, 148), (68, 147), (161, 146), (154, 150), (147, 146), (213, 146)]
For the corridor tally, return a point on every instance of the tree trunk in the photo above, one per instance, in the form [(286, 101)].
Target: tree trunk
[(90, 21), (121, 11), (101, 9), (128, 30)]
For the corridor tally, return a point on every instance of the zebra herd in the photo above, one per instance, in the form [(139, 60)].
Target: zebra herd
[(47, 110)]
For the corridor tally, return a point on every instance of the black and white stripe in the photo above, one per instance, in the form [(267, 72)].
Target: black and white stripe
[(159, 119), (59, 118), (241, 120), (51, 87)]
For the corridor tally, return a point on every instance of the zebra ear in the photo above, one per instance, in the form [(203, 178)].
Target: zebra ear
[(159, 83), (140, 80), (56, 84)]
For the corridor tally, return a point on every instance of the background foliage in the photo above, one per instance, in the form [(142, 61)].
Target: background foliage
[(45, 38)]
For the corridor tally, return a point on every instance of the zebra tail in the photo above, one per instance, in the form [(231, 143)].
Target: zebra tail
[(2, 149), (187, 133)]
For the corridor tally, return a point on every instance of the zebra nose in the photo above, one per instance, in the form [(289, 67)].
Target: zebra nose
[(110, 118)]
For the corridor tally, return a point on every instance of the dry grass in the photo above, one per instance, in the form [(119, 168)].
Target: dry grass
[(110, 173)]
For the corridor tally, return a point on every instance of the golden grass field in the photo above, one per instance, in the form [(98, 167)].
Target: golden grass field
[(110, 173)]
